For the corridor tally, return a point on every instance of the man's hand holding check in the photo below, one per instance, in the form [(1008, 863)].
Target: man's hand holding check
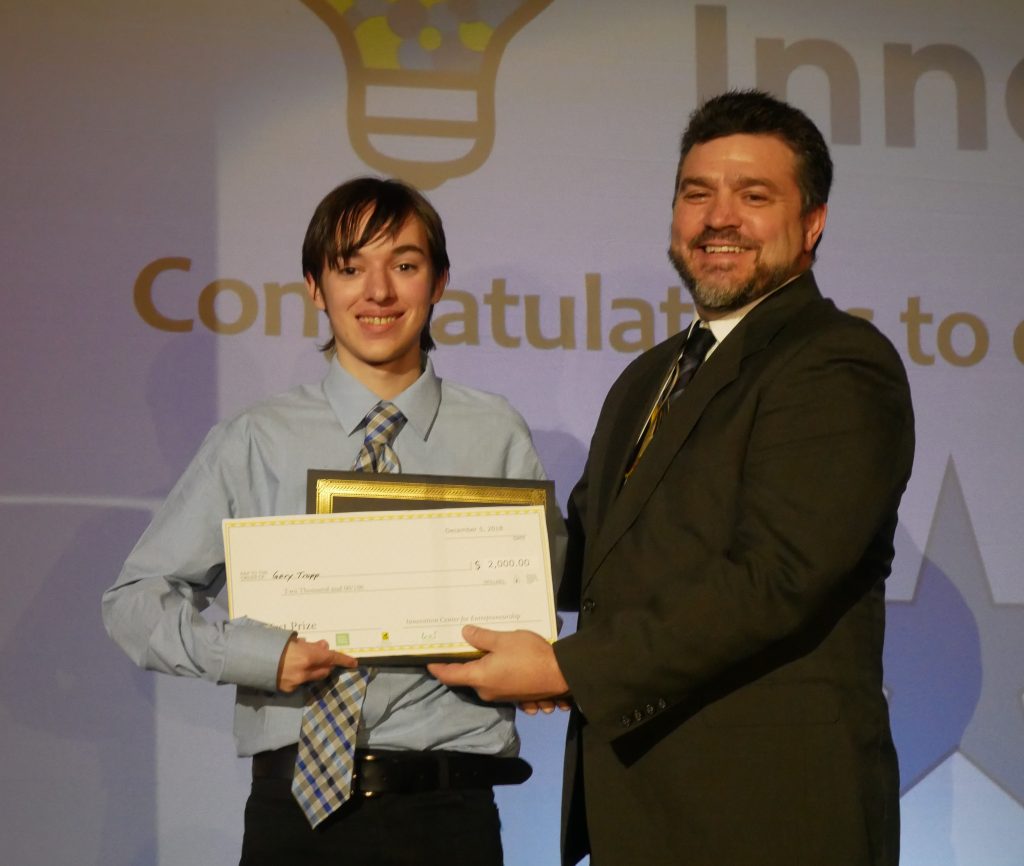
[(519, 667)]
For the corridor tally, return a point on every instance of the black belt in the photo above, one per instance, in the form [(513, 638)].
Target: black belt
[(392, 772)]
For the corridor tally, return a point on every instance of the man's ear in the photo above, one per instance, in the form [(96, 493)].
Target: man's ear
[(315, 293), (814, 225)]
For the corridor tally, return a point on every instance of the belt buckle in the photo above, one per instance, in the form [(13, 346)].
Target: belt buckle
[(366, 759)]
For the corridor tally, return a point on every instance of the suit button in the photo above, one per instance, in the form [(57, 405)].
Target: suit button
[(649, 709), (638, 715), (626, 721), (662, 704), (588, 605)]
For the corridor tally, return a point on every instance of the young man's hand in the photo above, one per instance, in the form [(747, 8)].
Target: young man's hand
[(305, 662)]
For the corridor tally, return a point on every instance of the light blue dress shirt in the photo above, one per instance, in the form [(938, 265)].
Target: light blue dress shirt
[(255, 465)]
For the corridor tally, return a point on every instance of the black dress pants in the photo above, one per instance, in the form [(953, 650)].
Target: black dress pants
[(450, 827)]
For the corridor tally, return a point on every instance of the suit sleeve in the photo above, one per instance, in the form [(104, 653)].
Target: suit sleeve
[(828, 457)]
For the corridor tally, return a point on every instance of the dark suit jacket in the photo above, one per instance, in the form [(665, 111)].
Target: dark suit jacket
[(727, 668)]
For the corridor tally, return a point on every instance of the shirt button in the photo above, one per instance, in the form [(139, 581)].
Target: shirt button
[(588, 605)]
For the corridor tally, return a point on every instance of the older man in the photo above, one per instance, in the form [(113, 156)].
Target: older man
[(732, 533)]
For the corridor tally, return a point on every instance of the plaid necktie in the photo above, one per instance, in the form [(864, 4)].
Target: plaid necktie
[(382, 422), (327, 736), (698, 343)]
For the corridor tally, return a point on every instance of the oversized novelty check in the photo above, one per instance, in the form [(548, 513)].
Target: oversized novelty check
[(394, 585)]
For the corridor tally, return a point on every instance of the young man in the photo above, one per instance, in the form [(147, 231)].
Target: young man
[(729, 543), (375, 262)]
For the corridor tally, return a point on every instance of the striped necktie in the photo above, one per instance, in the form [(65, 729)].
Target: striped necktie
[(330, 721), (698, 343)]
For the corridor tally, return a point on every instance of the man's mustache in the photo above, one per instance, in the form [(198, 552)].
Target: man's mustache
[(722, 238)]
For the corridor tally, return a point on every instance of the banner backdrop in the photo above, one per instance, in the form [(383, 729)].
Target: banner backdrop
[(160, 163)]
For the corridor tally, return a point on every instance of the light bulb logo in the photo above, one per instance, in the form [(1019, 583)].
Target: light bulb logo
[(421, 78)]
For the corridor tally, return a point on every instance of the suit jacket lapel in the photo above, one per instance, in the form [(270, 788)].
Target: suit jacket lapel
[(619, 445), (624, 502)]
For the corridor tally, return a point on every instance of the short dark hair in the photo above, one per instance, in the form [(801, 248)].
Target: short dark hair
[(754, 112), (333, 234)]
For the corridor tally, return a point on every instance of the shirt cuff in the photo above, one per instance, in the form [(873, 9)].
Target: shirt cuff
[(253, 654)]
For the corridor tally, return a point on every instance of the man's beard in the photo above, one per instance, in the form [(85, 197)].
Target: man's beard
[(722, 297)]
